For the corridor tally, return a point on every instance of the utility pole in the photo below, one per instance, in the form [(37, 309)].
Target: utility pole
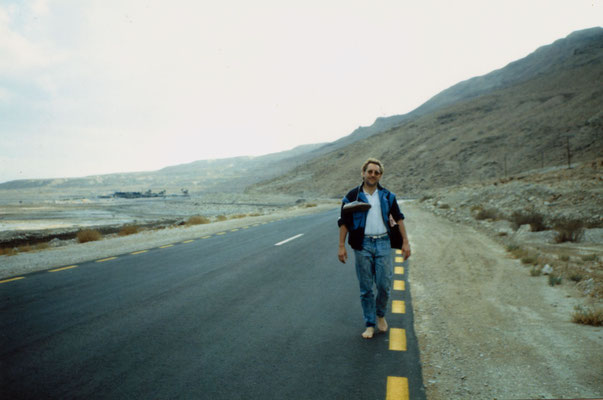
[(569, 154), (505, 165)]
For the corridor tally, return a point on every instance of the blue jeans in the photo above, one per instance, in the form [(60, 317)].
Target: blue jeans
[(374, 265)]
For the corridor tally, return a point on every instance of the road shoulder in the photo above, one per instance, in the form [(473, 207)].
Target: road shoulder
[(486, 328)]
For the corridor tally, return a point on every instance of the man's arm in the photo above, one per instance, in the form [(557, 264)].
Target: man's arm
[(405, 242), (343, 233)]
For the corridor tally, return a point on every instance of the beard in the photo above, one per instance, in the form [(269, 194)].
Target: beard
[(370, 182)]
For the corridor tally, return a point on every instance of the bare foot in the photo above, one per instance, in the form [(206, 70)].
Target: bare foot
[(368, 333), (382, 324)]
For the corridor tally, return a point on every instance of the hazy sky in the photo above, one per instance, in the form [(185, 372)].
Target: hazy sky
[(101, 86)]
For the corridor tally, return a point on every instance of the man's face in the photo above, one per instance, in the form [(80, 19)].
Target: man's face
[(371, 175)]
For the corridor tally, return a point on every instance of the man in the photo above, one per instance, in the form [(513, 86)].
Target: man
[(369, 232)]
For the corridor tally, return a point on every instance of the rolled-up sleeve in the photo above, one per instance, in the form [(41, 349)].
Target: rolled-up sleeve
[(395, 211)]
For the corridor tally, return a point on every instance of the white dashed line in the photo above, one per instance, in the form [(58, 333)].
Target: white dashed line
[(290, 239)]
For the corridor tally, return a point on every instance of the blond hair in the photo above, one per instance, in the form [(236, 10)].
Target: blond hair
[(372, 161)]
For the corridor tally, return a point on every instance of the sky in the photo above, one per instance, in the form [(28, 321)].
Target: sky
[(103, 86)]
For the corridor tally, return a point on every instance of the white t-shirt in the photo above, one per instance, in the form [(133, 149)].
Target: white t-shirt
[(374, 220)]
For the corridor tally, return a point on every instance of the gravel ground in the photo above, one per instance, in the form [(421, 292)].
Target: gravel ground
[(486, 328)]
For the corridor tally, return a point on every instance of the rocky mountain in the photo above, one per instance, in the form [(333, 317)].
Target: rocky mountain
[(571, 52), (525, 116)]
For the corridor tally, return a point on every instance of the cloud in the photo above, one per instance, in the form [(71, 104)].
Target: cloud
[(19, 54), (40, 7)]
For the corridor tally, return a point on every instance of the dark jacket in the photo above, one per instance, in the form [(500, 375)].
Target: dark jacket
[(356, 222)]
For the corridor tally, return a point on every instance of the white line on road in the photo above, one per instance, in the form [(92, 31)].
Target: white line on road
[(290, 239)]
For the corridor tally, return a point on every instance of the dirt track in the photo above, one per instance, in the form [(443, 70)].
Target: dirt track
[(486, 328)]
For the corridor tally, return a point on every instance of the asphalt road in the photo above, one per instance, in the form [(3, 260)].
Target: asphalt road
[(231, 316)]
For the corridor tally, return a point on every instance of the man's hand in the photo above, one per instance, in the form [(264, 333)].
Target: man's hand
[(343, 254), (343, 232), (405, 244), (406, 250)]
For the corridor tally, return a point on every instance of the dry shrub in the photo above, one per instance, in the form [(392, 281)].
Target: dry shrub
[(221, 218), (576, 276), (534, 219), (238, 216), (88, 235), (25, 248), (42, 246), (255, 214), (444, 206), (519, 252), (7, 251), (554, 280), (424, 198), (128, 230), (487, 213), (569, 230), (197, 220), (308, 205), (589, 257), (588, 315)]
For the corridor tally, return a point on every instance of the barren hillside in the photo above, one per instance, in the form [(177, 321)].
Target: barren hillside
[(234, 175), (525, 125)]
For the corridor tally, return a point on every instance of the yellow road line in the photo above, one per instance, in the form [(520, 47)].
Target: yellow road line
[(63, 268), (234, 230), (397, 339), (398, 285), (397, 388), (399, 259), (188, 241), (139, 252), (399, 270), (166, 246), (221, 233), (106, 259), (206, 237), (398, 251), (12, 279), (398, 307)]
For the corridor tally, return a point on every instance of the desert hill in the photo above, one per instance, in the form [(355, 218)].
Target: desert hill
[(546, 59), (235, 174), (519, 118)]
